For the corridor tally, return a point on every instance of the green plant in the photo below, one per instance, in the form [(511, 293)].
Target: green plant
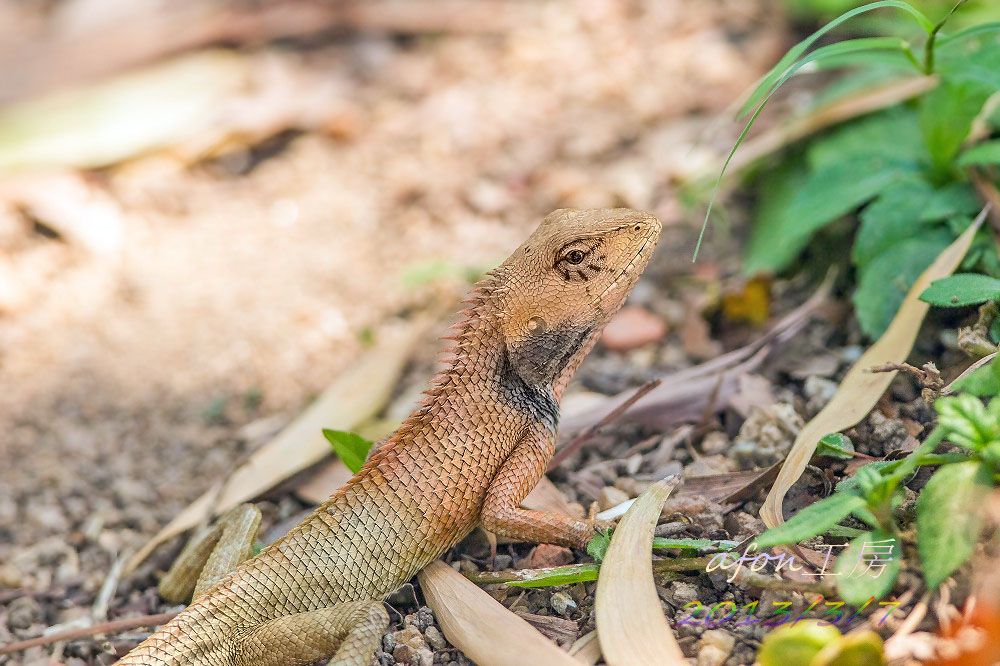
[(962, 289), (947, 519), (350, 447), (903, 170)]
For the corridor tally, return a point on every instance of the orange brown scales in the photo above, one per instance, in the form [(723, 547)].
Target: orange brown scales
[(478, 443)]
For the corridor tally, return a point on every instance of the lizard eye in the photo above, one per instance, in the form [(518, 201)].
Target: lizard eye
[(575, 256)]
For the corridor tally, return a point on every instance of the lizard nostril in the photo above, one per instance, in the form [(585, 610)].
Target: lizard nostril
[(638, 227)]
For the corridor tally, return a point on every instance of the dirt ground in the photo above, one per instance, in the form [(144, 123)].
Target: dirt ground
[(241, 285)]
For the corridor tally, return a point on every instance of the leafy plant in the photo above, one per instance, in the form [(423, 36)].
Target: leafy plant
[(902, 169), (816, 643), (350, 447), (962, 289), (948, 523), (836, 445)]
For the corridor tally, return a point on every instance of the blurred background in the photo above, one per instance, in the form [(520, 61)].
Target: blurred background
[(206, 207), (209, 208)]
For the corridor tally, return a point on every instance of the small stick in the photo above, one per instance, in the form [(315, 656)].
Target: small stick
[(113, 627), (611, 416), (947, 390)]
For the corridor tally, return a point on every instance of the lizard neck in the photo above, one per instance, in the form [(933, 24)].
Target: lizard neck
[(477, 370)]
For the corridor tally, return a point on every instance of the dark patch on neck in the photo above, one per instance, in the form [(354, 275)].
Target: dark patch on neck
[(529, 369), (536, 401)]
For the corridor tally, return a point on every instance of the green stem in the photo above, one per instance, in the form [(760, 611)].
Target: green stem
[(910, 463), (942, 458), (932, 39)]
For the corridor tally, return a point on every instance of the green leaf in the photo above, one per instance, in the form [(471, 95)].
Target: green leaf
[(966, 421), (836, 445), (948, 518), (946, 115), (831, 50), (884, 282), (843, 531), (984, 381), (893, 217), (961, 289), (598, 546), (891, 134), (772, 79), (349, 447), (868, 567), (951, 202), (905, 210), (721, 545), (811, 521), (853, 484), (826, 195), (974, 59), (987, 152), (565, 575), (796, 644)]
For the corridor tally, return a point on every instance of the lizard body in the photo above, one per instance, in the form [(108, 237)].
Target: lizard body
[(467, 456)]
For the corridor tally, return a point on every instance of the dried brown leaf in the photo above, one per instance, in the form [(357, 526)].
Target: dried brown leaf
[(630, 622), (481, 627), (587, 649), (861, 388)]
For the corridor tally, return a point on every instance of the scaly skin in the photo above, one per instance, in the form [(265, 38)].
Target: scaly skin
[(477, 445)]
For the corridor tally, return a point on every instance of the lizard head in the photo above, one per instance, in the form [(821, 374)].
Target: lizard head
[(564, 283)]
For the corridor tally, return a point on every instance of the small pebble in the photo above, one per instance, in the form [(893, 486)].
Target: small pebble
[(632, 327), (547, 555), (562, 603), (435, 639), (610, 497), (682, 592)]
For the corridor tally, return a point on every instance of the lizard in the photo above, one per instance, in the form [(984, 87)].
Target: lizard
[(467, 456)]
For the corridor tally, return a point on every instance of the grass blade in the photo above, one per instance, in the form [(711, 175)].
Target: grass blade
[(831, 51)]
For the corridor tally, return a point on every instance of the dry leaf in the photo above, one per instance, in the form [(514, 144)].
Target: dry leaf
[(861, 388), (685, 395), (480, 626), (630, 621), (587, 649), (751, 303), (355, 396)]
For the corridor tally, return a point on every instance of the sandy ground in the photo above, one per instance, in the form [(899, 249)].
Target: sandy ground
[(242, 285)]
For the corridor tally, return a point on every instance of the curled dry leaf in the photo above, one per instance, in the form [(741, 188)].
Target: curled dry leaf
[(861, 388), (358, 394), (481, 627), (587, 649), (630, 621)]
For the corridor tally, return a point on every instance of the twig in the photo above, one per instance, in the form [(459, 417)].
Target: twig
[(581, 438), (968, 371), (989, 194), (113, 627), (99, 610), (38, 61), (929, 376)]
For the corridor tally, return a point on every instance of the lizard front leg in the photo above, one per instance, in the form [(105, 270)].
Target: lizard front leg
[(501, 513)]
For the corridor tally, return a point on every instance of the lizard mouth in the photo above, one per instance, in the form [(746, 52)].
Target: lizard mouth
[(627, 270)]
